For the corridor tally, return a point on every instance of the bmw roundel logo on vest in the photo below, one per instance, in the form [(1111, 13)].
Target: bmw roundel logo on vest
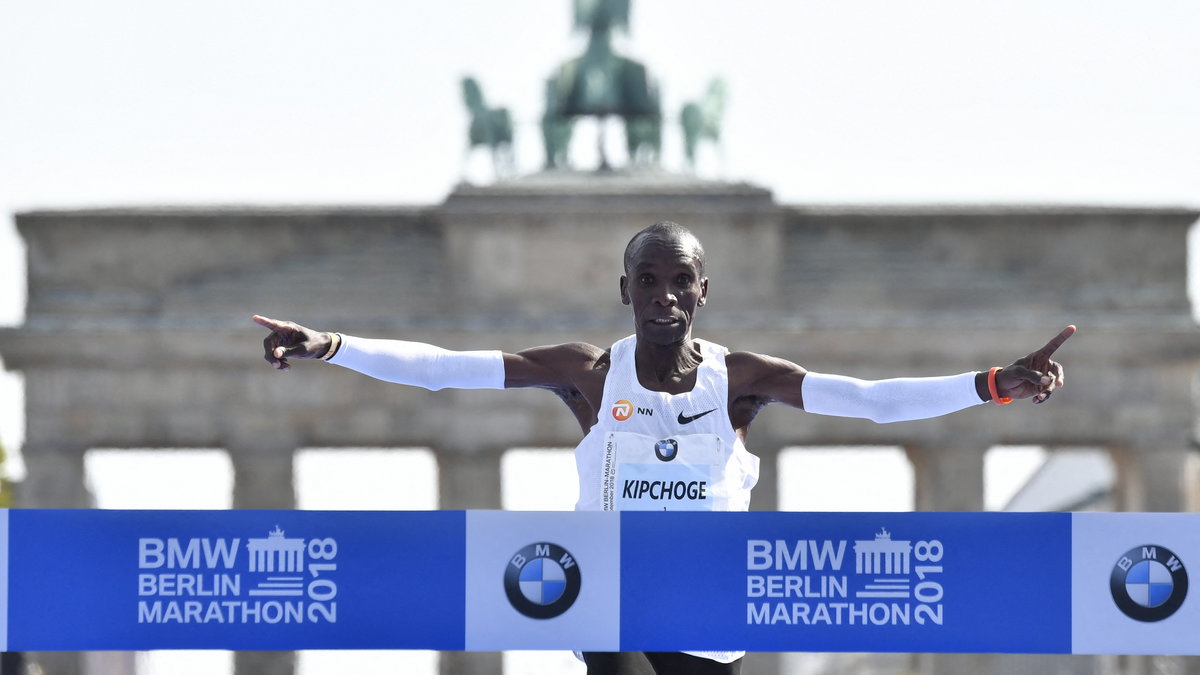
[(542, 580), (666, 449), (1148, 583)]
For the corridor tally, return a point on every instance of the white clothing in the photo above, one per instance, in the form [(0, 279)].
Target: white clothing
[(651, 450)]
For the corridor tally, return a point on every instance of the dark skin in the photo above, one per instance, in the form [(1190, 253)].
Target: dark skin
[(664, 286)]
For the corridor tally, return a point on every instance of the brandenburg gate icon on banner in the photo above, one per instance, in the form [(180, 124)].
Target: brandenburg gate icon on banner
[(882, 555), (276, 553)]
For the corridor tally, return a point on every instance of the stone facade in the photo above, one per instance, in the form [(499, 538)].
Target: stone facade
[(139, 334)]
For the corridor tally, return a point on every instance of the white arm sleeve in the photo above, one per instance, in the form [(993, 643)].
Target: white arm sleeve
[(895, 400), (421, 365)]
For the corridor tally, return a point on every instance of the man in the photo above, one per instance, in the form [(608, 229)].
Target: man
[(703, 397)]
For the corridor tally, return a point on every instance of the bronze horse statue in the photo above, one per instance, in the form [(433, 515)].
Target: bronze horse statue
[(702, 120), (490, 127)]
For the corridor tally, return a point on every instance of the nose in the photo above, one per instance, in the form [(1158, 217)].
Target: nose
[(664, 296)]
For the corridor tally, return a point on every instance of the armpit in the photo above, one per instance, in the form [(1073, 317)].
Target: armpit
[(743, 410)]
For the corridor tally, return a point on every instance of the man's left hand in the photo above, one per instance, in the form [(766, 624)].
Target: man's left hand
[(1036, 376)]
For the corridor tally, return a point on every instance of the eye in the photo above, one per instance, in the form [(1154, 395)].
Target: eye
[(684, 279), (646, 279)]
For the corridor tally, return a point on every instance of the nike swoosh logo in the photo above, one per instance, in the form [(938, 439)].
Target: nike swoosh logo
[(688, 419)]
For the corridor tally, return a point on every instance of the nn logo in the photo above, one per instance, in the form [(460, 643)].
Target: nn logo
[(623, 410), (542, 580)]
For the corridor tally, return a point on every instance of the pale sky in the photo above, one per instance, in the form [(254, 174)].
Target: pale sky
[(126, 102)]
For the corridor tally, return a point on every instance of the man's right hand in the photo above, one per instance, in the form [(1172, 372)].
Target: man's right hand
[(288, 339)]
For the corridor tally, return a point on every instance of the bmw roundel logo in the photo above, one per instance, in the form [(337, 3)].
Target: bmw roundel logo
[(666, 449), (1148, 583), (542, 580)]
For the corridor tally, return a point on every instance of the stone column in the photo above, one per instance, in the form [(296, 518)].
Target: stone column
[(1151, 479), (948, 478), (469, 478), (262, 479), (55, 480), (55, 477), (264, 663), (765, 498), (763, 663), (766, 494), (109, 663)]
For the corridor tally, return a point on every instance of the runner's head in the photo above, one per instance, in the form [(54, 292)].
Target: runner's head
[(667, 233), (664, 282)]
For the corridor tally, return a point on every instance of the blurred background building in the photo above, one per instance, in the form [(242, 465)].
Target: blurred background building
[(895, 191)]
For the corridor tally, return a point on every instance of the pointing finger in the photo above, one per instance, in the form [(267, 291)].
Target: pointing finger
[(265, 322), (1057, 341)]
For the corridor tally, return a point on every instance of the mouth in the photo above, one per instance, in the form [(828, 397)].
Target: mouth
[(664, 321)]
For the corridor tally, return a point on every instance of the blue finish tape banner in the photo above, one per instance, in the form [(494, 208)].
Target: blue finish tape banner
[(242, 580), (911, 582), (495, 580)]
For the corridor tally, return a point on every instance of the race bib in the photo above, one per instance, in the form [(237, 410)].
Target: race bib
[(643, 473)]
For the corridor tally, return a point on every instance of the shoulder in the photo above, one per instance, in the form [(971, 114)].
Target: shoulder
[(754, 362), (753, 374), (555, 365), (578, 352), (568, 354)]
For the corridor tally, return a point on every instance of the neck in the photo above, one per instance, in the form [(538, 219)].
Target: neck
[(666, 363)]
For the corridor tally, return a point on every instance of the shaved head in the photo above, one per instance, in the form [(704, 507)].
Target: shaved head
[(665, 233)]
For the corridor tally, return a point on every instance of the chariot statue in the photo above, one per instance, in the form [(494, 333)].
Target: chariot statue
[(601, 83)]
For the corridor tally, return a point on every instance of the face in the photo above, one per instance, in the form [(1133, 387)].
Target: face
[(665, 288)]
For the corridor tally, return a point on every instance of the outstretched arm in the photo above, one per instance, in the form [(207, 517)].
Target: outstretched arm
[(418, 364), (402, 362), (771, 380)]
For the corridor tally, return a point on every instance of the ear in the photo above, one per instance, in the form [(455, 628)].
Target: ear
[(624, 290), (703, 292)]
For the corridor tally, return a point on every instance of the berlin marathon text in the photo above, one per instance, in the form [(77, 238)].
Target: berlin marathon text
[(828, 614), (236, 611)]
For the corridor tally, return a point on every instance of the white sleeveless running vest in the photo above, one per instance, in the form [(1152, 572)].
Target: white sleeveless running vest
[(653, 451)]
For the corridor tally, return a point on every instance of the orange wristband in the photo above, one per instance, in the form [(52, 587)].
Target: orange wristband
[(996, 398)]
